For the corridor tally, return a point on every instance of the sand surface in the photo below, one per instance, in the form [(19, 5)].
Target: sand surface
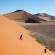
[(10, 43)]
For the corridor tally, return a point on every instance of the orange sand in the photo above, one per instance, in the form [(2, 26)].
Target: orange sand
[(10, 44)]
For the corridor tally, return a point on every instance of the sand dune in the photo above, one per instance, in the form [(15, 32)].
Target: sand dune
[(10, 43), (19, 15)]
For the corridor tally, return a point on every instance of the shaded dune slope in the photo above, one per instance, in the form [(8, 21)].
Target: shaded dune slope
[(10, 43)]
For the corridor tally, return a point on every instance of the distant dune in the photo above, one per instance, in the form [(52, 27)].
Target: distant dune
[(23, 16), (44, 17), (10, 43), (19, 15)]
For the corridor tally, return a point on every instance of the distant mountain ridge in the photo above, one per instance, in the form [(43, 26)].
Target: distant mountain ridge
[(23, 16)]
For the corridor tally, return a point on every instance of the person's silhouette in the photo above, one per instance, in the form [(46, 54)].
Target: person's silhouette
[(21, 37), (45, 50)]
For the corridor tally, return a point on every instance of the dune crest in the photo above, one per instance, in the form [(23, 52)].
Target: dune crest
[(10, 43)]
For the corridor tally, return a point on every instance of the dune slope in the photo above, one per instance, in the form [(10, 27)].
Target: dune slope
[(10, 43)]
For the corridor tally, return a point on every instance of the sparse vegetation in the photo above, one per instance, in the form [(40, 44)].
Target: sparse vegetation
[(47, 33), (40, 40)]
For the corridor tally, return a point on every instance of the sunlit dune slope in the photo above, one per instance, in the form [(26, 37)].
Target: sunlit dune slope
[(10, 43)]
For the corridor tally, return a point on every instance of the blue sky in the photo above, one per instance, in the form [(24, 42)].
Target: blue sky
[(31, 6)]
